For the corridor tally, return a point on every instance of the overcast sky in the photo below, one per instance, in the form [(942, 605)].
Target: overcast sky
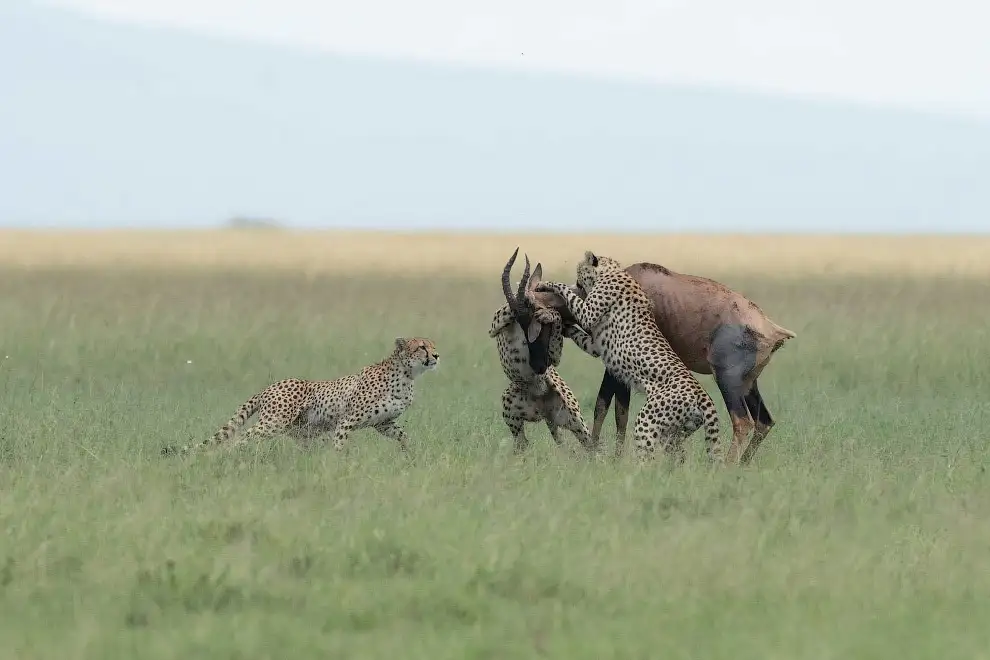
[(168, 113), (927, 55)]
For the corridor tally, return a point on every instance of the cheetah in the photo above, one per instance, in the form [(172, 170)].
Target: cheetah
[(530, 336), (373, 397), (618, 315)]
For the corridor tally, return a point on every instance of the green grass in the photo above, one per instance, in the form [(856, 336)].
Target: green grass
[(859, 532)]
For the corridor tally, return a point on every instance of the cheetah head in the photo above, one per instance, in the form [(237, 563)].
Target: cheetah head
[(524, 306), (418, 353), (589, 268)]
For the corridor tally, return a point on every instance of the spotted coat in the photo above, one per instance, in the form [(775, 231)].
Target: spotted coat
[(618, 316), (532, 397), (374, 397)]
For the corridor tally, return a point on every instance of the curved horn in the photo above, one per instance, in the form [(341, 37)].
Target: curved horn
[(521, 293), (513, 303)]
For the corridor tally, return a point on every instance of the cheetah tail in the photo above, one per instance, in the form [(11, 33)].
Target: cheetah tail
[(226, 431)]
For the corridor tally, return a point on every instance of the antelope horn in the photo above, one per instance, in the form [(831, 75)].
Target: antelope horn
[(513, 303), (521, 293)]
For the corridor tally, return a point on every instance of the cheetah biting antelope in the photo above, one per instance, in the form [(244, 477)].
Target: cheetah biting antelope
[(529, 336), (374, 397), (618, 315)]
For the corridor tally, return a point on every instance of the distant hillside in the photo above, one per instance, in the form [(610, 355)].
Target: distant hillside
[(117, 125)]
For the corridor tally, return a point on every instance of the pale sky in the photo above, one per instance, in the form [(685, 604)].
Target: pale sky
[(907, 53), (132, 113)]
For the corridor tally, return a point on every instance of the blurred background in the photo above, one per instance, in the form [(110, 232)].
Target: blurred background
[(626, 116)]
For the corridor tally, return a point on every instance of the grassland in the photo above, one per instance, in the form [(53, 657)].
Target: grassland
[(860, 531), (476, 255)]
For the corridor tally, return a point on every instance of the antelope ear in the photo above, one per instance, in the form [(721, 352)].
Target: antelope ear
[(533, 331), (536, 277), (590, 257)]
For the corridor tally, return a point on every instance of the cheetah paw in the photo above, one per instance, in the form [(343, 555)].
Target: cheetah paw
[(547, 316)]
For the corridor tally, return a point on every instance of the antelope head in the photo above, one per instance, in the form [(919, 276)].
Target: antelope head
[(523, 305)]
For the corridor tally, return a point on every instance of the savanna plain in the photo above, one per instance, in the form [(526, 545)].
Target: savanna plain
[(861, 529)]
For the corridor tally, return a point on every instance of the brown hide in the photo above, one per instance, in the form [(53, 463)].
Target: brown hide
[(688, 308), (556, 302)]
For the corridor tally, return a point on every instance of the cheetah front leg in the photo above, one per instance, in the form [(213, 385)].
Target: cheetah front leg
[(391, 429), (342, 431), (502, 319), (588, 311), (583, 340)]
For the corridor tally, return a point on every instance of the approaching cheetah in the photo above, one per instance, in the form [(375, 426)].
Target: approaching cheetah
[(530, 341), (619, 317), (373, 397)]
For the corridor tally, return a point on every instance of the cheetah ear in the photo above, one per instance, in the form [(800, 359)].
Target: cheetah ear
[(590, 257), (533, 331), (400, 342)]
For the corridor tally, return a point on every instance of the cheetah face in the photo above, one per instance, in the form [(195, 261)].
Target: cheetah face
[(419, 353), (589, 268)]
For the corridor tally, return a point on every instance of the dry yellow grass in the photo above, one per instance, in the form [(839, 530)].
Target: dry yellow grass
[(480, 254)]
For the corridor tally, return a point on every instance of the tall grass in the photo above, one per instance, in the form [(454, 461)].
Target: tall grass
[(860, 531)]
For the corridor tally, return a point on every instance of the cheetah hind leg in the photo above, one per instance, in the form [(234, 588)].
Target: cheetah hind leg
[(518, 407), (554, 430), (662, 422), (264, 428), (575, 424), (564, 410), (569, 416), (708, 419)]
